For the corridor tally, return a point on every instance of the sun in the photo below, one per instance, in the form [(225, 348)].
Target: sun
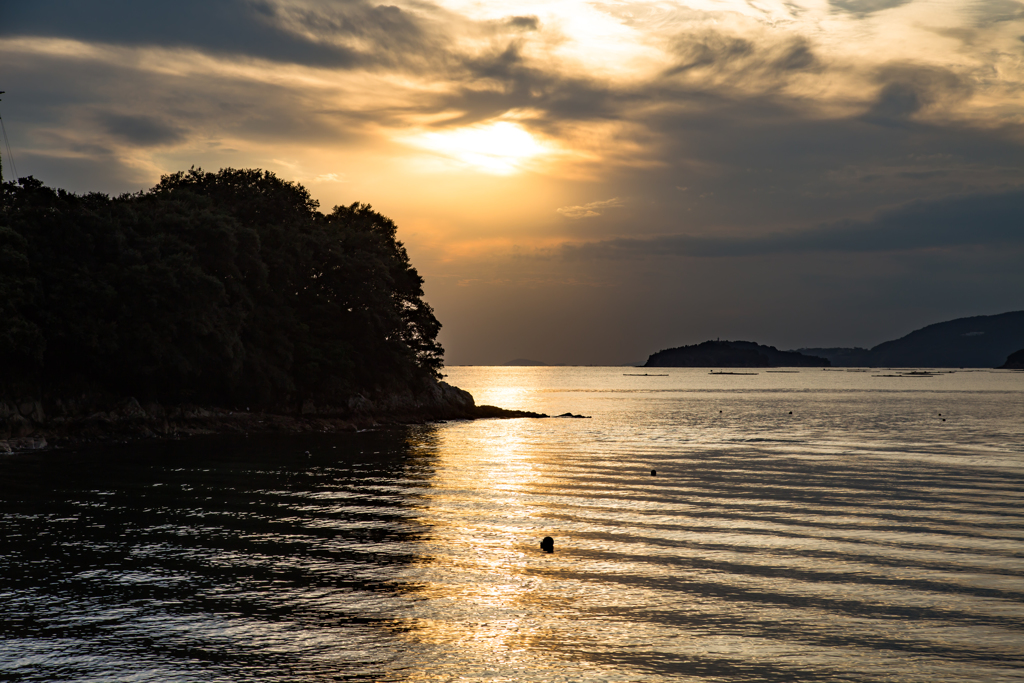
[(501, 148)]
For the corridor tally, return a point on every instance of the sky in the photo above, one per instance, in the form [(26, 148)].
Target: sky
[(579, 182)]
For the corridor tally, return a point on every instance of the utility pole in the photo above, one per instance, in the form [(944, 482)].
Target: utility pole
[(2, 159)]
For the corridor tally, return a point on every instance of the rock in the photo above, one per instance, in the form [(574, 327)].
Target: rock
[(32, 410), (359, 403), (95, 416), (5, 447), (129, 409), (155, 410), (193, 412), (493, 411), (27, 444), (455, 397), (19, 426)]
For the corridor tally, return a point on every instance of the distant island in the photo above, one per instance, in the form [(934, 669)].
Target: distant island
[(524, 362), (982, 341), (732, 354), (1014, 362), (212, 302)]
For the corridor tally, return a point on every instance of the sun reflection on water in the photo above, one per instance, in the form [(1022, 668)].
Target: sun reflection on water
[(753, 553), (479, 577)]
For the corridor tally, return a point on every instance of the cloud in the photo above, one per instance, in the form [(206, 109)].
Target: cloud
[(348, 34), (524, 23), (784, 163), (908, 88), (141, 130), (978, 220), (589, 210), (865, 7)]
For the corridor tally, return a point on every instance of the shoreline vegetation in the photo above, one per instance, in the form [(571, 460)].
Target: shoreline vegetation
[(62, 423), (211, 302)]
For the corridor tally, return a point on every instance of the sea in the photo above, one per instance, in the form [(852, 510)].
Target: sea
[(784, 525)]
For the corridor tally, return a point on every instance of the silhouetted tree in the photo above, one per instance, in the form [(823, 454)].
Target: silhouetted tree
[(210, 286)]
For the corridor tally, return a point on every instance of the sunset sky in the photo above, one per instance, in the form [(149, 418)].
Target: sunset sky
[(580, 182)]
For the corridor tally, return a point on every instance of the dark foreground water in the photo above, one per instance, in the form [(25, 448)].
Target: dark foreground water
[(802, 526)]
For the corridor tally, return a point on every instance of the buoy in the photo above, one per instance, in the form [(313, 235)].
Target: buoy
[(943, 419), (791, 412), (548, 544), (654, 473)]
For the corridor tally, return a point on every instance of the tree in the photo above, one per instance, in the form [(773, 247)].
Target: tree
[(212, 287)]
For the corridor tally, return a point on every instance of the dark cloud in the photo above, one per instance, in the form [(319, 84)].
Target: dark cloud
[(101, 165), (864, 7), (997, 11), (560, 99), (151, 108), (740, 58), (144, 131), (709, 49), (907, 89), (796, 56), (987, 220), (527, 23), (241, 27), (501, 80)]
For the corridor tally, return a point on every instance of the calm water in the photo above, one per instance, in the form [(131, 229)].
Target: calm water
[(812, 526)]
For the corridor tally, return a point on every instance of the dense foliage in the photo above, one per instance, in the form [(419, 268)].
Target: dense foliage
[(217, 287)]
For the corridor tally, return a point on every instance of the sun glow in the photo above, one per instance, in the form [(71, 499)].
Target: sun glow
[(501, 148)]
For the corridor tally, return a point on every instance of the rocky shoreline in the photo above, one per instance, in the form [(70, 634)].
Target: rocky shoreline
[(34, 424)]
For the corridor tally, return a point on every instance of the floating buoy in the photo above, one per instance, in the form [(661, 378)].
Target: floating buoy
[(654, 473), (791, 412), (548, 544)]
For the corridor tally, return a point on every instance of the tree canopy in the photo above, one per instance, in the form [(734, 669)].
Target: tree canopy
[(215, 287)]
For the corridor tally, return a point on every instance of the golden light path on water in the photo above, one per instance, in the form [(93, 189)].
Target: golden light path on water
[(665, 576)]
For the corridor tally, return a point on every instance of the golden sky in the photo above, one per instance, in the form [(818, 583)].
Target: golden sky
[(580, 181)]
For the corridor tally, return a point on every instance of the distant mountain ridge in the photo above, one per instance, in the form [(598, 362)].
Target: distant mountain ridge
[(983, 341), (731, 354), (524, 362)]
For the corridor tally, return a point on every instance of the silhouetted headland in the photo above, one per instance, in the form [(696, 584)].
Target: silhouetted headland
[(731, 354), (213, 302), (982, 341)]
